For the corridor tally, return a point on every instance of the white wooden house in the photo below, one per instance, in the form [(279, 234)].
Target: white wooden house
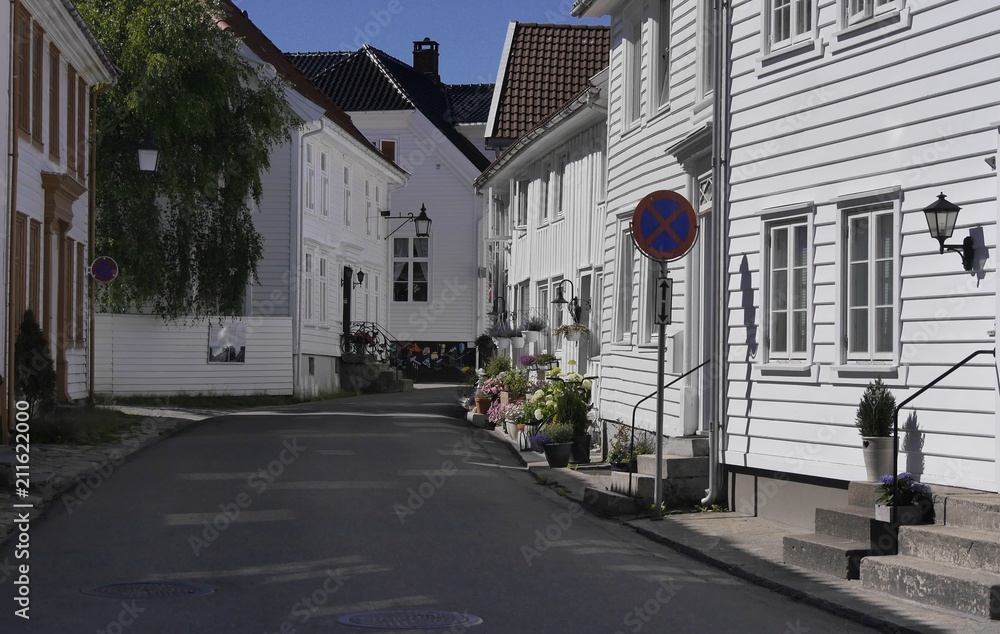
[(317, 216), (848, 119), (545, 191), (659, 138), (53, 64), (433, 131)]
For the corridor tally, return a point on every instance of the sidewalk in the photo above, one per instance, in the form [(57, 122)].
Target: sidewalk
[(751, 549)]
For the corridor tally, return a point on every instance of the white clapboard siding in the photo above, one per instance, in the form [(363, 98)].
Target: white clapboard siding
[(912, 108), (273, 221), (140, 354)]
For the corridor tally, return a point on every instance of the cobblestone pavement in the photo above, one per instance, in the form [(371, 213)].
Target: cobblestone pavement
[(56, 469)]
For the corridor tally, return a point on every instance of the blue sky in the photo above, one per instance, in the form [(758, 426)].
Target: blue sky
[(471, 33)]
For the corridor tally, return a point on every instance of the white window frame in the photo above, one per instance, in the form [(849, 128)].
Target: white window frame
[(368, 206), (796, 9), (545, 309), (858, 11), (788, 223), (324, 299), (378, 210), (624, 281), (661, 57), (308, 284), (545, 195), (324, 184), (521, 194), (347, 194), (561, 195), (872, 305), (632, 71), (310, 178), (705, 48), (410, 259)]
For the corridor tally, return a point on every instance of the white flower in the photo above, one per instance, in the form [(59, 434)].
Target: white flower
[(587, 383), (538, 414)]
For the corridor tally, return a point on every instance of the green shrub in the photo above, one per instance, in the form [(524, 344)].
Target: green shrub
[(496, 366), (35, 374), (874, 415), (572, 410)]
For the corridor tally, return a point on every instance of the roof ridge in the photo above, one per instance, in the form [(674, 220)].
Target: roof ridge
[(577, 27), (370, 51), (318, 52)]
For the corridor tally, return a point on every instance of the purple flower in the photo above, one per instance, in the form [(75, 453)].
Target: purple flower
[(885, 479)]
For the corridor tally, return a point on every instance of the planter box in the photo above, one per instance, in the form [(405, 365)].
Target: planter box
[(911, 514)]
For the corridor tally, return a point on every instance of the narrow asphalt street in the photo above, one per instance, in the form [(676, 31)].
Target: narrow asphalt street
[(288, 520)]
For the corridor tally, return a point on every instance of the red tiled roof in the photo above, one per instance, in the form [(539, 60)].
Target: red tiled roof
[(546, 66)]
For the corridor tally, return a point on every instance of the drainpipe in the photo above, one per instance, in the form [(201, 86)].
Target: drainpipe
[(12, 181), (92, 234), (295, 282), (718, 253)]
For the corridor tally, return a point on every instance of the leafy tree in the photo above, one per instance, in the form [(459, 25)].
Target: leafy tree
[(183, 236), (35, 374)]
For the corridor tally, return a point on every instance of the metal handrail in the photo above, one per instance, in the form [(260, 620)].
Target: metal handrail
[(895, 424), (369, 337), (631, 445)]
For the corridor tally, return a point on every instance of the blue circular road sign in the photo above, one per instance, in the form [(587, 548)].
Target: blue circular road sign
[(664, 225), (104, 269)]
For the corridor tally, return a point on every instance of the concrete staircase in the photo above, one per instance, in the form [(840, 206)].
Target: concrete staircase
[(362, 373), (954, 564), (844, 536), (685, 474)]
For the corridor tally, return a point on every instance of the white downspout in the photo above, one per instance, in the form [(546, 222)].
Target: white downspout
[(718, 253), (295, 283)]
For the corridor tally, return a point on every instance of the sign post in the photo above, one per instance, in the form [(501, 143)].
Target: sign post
[(664, 228)]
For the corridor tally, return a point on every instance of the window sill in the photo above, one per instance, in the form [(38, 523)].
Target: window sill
[(786, 372), (788, 56), (864, 372), (871, 29), (702, 110)]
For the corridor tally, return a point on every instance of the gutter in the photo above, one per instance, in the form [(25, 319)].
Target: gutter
[(295, 281)]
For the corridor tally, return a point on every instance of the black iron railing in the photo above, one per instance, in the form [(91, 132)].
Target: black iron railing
[(370, 338), (895, 423)]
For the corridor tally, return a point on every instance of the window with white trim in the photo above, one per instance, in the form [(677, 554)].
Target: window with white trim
[(632, 104), (368, 207), (662, 54), (543, 209), (706, 49), (378, 210), (324, 185), (623, 287), (310, 178), (789, 21), (869, 289), (307, 287), (787, 312), (560, 176), (323, 299), (522, 202), (347, 195), (855, 11), (410, 269), (545, 309)]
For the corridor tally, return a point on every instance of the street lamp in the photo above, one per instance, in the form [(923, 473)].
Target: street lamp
[(575, 308), (941, 218), (421, 223), (361, 279), (495, 312), (148, 153)]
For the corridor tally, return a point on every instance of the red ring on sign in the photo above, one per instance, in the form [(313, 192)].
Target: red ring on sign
[(664, 225), (104, 269)]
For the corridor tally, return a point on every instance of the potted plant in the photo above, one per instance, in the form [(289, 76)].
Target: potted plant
[(533, 327), (545, 361), (556, 442), (572, 410), (527, 360), (623, 453), (911, 501), (572, 332), (483, 401), (874, 421)]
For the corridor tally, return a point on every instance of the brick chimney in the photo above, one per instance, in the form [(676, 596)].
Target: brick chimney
[(425, 58)]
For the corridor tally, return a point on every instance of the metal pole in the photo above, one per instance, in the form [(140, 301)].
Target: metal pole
[(660, 358)]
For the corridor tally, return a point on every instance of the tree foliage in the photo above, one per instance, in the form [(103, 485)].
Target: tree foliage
[(183, 236), (35, 373)]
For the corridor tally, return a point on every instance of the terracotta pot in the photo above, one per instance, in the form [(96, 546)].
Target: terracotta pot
[(483, 404)]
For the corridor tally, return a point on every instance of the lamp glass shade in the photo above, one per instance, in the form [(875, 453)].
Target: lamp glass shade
[(941, 218), (361, 277), (422, 223), (148, 153), (560, 298)]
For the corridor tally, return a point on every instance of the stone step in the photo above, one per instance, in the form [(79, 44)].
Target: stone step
[(688, 446), (952, 587), (834, 556), (862, 493), (980, 511), (674, 466), (610, 503), (958, 546), (677, 492), (846, 522)]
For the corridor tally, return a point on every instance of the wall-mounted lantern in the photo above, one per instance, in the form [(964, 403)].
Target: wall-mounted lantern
[(941, 218)]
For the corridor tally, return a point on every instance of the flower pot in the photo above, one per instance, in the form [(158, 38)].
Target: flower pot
[(631, 467), (557, 454), (878, 456), (572, 335), (530, 336), (525, 436), (483, 404), (510, 428), (909, 514), (580, 453)]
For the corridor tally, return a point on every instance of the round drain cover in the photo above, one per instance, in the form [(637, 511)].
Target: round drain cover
[(409, 619), (148, 590)]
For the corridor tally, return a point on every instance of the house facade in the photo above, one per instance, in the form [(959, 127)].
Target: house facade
[(848, 120), (545, 191), (660, 122), (54, 64), (433, 131), (323, 266)]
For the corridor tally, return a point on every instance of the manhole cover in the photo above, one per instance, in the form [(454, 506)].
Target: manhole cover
[(409, 619), (148, 590)]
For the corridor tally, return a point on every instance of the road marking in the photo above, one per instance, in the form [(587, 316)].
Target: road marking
[(386, 604), (332, 484), (463, 453), (335, 452), (214, 476), (196, 519), (497, 466), (269, 569), (341, 571), (348, 435), (410, 473), (425, 425)]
